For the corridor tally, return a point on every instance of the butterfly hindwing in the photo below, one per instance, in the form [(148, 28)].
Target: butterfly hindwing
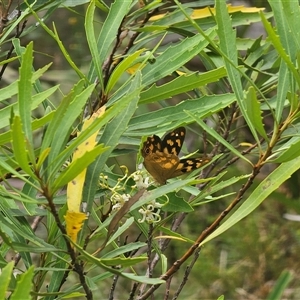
[(172, 142), (189, 164)]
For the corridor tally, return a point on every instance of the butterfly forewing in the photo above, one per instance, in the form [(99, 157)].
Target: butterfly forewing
[(151, 145), (172, 142)]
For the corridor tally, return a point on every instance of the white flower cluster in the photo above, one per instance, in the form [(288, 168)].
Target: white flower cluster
[(119, 200), (150, 212)]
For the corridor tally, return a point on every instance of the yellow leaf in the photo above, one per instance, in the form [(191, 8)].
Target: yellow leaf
[(75, 187), (208, 11), (74, 221)]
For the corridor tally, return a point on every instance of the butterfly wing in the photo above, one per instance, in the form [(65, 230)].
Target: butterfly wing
[(172, 142), (159, 164), (189, 164), (151, 145)]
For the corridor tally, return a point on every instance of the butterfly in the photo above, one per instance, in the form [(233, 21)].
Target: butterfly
[(161, 156)]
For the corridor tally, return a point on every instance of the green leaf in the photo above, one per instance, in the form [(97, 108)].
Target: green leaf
[(107, 36), (103, 263), (175, 57), (25, 91), (70, 113), (124, 249), (24, 286), (282, 90), (176, 235), (175, 204), (254, 112), (23, 247), (37, 123), (265, 188), (59, 116), (280, 49), (124, 262), (160, 191), (121, 68), (36, 100), (181, 84), (5, 276), (172, 116), (121, 229), (14, 227), (286, 19), (90, 35), (280, 286), (8, 167), (77, 166), (19, 145), (228, 47), (292, 151), (8, 91), (205, 196)]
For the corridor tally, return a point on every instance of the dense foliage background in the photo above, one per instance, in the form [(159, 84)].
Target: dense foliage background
[(83, 83)]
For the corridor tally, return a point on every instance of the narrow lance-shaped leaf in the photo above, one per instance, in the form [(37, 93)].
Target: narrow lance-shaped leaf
[(25, 91), (74, 189), (281, 285), (61, 135), (228, 47), (175, 57), (5, 279), (254, 112), (107, 36), (180, 85), (290, 153), (59, 115), (24, 286), (77, 167), (121, 68), (130, 261), (206, 105), (19, 145), (84, 154), (265, 188)]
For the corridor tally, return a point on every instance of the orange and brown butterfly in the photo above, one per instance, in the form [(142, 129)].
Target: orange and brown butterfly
[(161, 156)]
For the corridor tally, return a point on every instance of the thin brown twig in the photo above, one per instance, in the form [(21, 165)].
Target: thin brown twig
[(187, 273), (133, 290), (167, 290), (4, 15)]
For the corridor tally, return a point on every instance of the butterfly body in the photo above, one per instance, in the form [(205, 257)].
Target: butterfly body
[(161, 156)]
